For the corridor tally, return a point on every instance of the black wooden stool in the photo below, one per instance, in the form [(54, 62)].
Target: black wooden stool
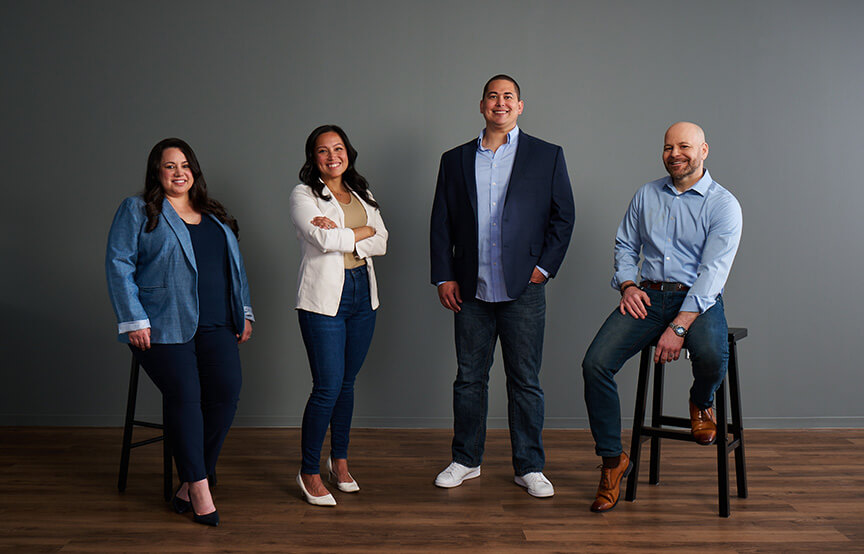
[(730, 436), (128, 445)]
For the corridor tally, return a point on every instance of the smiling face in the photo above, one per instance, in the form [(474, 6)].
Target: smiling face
[(500, 105), (331, 156), (175, 173), (684, 152)]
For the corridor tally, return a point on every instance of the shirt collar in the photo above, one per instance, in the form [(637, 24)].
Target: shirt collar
[(511, 137), (700, 187)]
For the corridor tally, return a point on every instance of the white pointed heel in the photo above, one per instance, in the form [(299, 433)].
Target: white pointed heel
[(350, 486), (326, 500)]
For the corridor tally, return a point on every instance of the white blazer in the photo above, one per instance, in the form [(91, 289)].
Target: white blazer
[(322, 264)]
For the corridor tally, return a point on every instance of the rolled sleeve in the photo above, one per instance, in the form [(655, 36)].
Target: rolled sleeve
[(120, 265), (721, 246), (129, 326)]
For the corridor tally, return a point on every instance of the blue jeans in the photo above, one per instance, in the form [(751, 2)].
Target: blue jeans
[(520, 324), (623, 336), (200, 382), (336, 346)]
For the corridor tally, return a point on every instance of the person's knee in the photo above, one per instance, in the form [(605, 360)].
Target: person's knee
[(593, 368), (709, 359), (325, 395)]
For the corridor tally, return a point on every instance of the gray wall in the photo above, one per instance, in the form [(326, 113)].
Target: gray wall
[(89, 87)]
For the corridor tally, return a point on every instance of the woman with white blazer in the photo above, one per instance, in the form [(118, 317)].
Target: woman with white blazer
[(339, 228)]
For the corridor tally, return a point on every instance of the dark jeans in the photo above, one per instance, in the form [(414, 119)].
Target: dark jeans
[(520, 324), (623, 336), (200, 382), (336, 346)]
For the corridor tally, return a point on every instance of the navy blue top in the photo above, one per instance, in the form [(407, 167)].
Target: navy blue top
[(211, 259)]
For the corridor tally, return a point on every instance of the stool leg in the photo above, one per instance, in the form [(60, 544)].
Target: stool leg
[(722, 451), (737, 420), (638, 423), (656, 414), (126, 447), (167, 470)]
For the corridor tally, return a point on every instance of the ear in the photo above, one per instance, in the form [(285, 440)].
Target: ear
[(704, 151), (521, 106)]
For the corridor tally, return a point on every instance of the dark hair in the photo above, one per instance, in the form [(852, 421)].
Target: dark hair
[(310, 175), (154, 195), (502, 77)]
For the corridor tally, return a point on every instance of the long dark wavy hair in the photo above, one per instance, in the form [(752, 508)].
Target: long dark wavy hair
[(154, 195), (310, 175)]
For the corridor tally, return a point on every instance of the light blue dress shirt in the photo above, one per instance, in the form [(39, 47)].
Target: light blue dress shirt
[(689, 238), (492, 171)]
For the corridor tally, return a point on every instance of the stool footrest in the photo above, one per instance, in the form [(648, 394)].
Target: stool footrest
[(148, 424), (668, 433), (671, 421), (146, 442)]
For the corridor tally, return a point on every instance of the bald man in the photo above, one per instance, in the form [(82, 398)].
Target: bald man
[(687, 228)]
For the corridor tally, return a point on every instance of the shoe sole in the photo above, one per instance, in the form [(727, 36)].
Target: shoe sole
[(525, 486), (713, 441), (626, 473), (470, 475)]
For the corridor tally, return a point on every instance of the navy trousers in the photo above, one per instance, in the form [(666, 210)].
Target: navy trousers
[(200, 382)]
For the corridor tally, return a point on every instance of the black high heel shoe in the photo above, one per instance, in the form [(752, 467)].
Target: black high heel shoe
[(211, 519), (180, 506)]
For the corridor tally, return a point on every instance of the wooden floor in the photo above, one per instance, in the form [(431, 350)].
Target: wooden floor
[(58, 494)]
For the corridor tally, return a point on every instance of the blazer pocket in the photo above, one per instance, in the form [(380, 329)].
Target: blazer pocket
[(151, 288), (536, 249)]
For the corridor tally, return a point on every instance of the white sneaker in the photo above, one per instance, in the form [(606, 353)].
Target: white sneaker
[(536, 483), (455, 474)]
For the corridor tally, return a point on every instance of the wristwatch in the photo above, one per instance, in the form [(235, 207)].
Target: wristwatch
[(678, 330)]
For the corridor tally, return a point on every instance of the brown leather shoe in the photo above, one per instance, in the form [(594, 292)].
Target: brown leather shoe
[(703, 425), (610, 485)]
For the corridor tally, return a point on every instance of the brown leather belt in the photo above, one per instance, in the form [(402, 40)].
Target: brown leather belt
[(664, 286)]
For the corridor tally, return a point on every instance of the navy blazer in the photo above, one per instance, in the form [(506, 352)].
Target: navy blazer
[(537, 218), (153, 278)]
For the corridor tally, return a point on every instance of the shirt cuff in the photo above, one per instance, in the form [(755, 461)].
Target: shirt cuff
[(247, 313), (128, 326), (699, 304), (622, 277), (543, 271)]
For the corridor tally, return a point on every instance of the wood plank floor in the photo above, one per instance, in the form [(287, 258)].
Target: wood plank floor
[(58, 494)]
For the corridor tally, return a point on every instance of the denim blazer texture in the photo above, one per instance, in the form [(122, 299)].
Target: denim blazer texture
[(153, 279)]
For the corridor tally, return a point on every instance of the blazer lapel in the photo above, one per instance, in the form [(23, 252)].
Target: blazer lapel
[(180, 230), (469, 153)]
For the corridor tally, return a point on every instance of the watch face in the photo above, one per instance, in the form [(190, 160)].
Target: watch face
[(679, 330)]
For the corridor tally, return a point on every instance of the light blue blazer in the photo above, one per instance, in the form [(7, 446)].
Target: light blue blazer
[(153, 280)]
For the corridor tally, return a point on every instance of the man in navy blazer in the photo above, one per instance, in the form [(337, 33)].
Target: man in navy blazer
[(501, 223)]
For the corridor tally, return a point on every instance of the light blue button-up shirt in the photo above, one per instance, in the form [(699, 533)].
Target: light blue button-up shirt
[(689, 238), (492, 171)]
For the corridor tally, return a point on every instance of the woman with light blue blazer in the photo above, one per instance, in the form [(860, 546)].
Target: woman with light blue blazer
[(179, 290)]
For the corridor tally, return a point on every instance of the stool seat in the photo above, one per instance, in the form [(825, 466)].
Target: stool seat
[(730, 435)]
